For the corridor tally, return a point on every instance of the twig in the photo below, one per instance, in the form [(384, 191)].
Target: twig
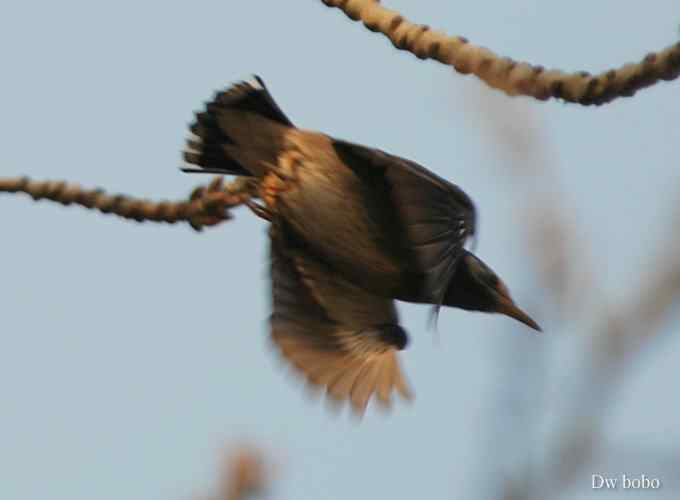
[(207, 206), (510, 76), (245, 476)]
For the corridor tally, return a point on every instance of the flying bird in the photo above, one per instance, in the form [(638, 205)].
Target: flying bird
[(352, 229), (386, 223)]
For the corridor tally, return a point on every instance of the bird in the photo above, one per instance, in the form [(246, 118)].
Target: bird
[(387, 223), (338, 335), (352, 230)]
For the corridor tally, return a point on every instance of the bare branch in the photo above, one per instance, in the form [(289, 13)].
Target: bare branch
[(207, 206), (610, 350), (510, 76), (245, 476)]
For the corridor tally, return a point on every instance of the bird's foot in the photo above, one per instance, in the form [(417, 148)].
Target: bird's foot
[(259, 210)]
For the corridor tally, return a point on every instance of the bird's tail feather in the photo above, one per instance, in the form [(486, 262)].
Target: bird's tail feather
[(238, 133)]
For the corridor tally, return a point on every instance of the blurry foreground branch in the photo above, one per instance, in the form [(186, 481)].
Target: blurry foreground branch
[(243, 477), (566, 457), (510, 76), (246, 476), (206, 206)]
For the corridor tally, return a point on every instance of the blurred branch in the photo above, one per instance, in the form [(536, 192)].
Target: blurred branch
[(611, 349), (632, 326), (623, 337), (206, 206), (510, 76), (244, 476)]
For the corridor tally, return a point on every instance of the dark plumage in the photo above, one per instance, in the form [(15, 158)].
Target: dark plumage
[(387, 225)]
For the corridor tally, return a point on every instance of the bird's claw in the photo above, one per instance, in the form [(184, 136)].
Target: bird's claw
[(259, 210)]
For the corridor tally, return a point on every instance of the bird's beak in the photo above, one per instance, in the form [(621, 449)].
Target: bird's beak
[(508, 307)]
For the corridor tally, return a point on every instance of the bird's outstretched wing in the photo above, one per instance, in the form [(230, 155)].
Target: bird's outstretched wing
[(340, 337), (434, 218)]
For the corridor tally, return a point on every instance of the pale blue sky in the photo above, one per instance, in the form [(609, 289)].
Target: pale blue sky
[(132, 354)]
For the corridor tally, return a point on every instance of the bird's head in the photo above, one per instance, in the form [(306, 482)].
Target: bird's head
[(475, 287)]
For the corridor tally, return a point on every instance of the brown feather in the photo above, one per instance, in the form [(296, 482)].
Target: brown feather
[(337, 335)]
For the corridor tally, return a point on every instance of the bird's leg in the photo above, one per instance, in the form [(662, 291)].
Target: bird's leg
[(244, 186), (259, 210)]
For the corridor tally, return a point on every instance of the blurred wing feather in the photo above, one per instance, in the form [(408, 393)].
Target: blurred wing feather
[(436, 217), (339, 336)]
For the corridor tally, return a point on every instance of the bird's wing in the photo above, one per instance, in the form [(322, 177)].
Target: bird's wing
[(435, 217), (339, 336)]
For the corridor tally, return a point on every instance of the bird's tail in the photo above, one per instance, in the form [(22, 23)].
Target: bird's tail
[(240, 131)]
